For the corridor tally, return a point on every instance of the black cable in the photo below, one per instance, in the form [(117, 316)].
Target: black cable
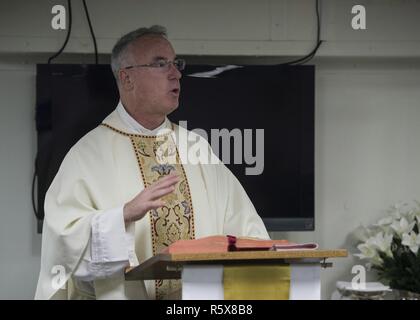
[(319, 42), (91, 31), (67, 36), (310, 55)]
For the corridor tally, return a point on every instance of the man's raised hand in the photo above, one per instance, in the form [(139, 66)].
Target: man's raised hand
[(149, 198)]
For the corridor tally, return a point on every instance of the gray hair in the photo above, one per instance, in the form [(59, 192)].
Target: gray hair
[(119, 52)]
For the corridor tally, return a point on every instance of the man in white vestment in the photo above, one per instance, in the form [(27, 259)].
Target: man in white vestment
[(122, 193)]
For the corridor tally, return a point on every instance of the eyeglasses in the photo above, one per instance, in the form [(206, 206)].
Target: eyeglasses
[(161, 64)]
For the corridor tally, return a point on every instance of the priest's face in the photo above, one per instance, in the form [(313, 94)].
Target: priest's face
[(155, 88)]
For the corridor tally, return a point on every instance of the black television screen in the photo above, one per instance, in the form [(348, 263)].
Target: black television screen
[(269, 109)]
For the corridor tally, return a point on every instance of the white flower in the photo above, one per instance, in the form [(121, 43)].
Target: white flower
[(368, 251), (402, 226), (410, 216), (375, 242), (384, 221), (378, 243), (386, 229), (384, 224), (361, 233), (382, 243), (412, 241)]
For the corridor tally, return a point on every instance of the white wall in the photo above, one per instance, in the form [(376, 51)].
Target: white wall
[(19, 244), (367, 102), (221, 27)]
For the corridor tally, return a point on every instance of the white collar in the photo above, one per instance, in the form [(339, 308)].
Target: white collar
[(136, 127)]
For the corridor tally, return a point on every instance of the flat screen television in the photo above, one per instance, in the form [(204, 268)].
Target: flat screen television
[(250, 102)]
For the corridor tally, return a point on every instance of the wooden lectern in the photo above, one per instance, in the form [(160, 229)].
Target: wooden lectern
[(202, 273)]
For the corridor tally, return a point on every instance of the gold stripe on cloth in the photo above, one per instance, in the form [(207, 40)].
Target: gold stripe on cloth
[(157, 157), (256, 282)]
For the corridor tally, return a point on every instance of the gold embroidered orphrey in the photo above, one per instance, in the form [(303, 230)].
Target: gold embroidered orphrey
[(157, 156)]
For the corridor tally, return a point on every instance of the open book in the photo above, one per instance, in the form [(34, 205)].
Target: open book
[(213, 244)]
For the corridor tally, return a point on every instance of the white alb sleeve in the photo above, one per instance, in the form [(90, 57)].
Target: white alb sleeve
[(110, 249)]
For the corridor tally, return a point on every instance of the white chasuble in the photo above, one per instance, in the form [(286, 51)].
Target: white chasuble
[(107, 168)]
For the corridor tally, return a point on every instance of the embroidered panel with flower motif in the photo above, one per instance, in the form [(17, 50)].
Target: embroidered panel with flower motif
[(157, 157)]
